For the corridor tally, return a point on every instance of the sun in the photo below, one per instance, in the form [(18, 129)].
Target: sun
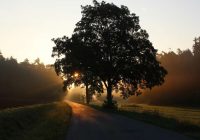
[(76, 74)]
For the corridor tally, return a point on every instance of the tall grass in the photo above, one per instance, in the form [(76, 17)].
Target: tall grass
[(180, 119), (37, 122), (191, 115), (161, 116)]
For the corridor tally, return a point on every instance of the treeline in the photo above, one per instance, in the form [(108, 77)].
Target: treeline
[(25, 83), (182, 84)]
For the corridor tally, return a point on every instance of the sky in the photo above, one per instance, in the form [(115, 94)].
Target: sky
[(27, 26)]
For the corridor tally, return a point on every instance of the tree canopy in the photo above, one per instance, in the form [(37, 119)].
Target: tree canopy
[(109, 43)]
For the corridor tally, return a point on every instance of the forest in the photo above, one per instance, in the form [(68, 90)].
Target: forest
[(182, 83), (25, 83), (29, 83)]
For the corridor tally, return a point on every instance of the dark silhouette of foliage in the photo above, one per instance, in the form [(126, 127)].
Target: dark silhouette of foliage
[(25, 62), (73, 72), (1, 57), (182, 84), (109, 43), (25, 83), (196, 47)]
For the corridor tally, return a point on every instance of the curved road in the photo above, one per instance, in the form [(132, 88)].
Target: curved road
[(90, 124)]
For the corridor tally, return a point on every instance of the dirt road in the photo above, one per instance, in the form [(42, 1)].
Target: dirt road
[(90, 124)]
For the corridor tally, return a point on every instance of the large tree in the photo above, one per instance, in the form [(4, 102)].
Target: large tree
[(109, 43)]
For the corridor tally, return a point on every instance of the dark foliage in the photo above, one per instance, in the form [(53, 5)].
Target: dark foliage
[(24, 83), (109, 43), (182, 86)]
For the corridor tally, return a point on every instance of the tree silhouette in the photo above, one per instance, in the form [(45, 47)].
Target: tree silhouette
[(25, 62), (196, 47), (1, 57), (92, 84), (72, 70), (182, 84), (37, 62), (109, 43)]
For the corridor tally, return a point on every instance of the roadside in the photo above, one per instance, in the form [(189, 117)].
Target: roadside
[(36, 122), (154, 118)]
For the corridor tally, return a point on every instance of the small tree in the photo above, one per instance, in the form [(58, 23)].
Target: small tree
[(109, 43)]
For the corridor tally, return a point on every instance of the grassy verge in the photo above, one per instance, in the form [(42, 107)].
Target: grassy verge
[(155, 118), (37, 122)]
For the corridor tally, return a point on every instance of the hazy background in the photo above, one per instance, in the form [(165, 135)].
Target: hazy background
[(27, 26), (182, 84), (24, 83), (181, 87)]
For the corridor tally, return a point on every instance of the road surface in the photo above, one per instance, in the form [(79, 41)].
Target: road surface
[(90, 124)]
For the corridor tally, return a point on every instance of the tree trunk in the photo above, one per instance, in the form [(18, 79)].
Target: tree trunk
[(87, 94), (109, 96)]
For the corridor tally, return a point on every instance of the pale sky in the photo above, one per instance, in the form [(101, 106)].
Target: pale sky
[(27, 26)]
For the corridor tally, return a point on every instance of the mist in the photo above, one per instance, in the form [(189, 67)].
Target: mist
[(24, 83), (182, 84), (181, 87)]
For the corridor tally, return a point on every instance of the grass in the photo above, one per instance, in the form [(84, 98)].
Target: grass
[(181, 119), (184, 114), (165, 117), (37, 122)]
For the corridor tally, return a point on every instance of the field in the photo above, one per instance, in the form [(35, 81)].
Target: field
[(182, 114), (37, 122), (180, 119)]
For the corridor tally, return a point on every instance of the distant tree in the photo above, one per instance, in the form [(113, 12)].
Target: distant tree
[(109, 42), (38, 63), (196, 47), (1, 57), (25, 62), (12, 61)]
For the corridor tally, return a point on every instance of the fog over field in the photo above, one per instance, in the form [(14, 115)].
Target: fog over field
[(181, 85)]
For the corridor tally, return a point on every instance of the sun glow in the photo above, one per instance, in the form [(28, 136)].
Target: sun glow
[(76, 74), (94, 97)]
